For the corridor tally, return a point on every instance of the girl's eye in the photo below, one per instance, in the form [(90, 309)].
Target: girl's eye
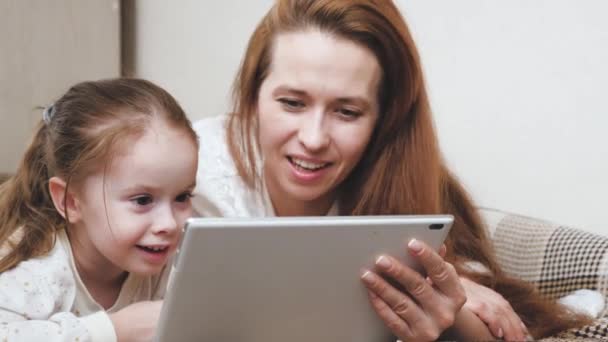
[(142, 200), (291, 104), (185, 197)]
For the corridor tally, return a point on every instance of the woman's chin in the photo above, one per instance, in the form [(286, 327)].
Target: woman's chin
[(310, 194)]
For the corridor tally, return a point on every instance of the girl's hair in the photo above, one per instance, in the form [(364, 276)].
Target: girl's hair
[(79, 134), (402, 171)]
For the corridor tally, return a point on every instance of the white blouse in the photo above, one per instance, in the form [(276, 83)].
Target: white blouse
[(220, 192), (44, 299)]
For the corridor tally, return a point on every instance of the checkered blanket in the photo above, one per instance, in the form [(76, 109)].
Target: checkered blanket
[(557, 259)]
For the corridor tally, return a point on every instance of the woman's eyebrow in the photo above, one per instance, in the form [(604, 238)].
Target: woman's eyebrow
[(290, 90), (357, 100)]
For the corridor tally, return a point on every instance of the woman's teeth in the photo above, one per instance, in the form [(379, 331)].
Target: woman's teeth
[(307, 165)]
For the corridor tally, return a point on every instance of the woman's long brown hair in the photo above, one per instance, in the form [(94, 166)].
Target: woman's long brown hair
[(402, 171), (85, 128)]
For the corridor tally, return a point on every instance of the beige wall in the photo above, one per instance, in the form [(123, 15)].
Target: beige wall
[(46, 46), (193, 48)]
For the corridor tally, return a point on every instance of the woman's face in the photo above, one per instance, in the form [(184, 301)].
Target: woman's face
[(317, 110)]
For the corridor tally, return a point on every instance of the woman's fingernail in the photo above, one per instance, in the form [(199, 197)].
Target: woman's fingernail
[(500, 333), (367, 277), (415, 245), (383, 262)]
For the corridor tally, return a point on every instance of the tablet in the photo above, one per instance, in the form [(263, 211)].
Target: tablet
[(285, 279)]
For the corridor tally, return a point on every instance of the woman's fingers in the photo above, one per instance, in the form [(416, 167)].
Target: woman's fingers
[(508, 328), (494, 310), (443, 251), (441, 309), (391, 319), (442, 274), (425, 308), (514, 329), (500, 325), (412, 281), (401, 314)]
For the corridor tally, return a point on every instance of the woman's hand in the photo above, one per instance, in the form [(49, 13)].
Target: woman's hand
[(494, 310), (137, 322), (425, 310)]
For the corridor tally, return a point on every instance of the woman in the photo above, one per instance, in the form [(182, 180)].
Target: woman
[(331, 117)]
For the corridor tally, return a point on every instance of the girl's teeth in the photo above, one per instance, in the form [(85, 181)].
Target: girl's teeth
[(155, 249)]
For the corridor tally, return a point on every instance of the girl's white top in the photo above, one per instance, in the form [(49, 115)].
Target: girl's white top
[(44, 299)]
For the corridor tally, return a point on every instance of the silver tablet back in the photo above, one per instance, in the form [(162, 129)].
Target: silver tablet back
[(284, 279)]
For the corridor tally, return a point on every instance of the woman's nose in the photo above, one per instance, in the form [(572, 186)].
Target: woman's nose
[(313, 133)]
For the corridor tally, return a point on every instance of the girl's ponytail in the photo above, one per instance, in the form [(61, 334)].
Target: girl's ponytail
[(27, 212)]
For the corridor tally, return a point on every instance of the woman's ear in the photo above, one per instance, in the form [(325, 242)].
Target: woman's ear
[(65, 202)]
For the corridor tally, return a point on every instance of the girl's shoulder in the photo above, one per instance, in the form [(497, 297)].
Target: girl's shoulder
[(54, 264), (43, 278)]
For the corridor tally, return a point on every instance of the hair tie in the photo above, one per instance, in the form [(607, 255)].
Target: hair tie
[(47, 114)]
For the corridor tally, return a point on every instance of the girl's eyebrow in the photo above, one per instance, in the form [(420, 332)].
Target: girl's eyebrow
[(139, 188), (149, 188)]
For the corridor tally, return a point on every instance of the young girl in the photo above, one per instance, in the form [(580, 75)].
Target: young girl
[(94, 213)]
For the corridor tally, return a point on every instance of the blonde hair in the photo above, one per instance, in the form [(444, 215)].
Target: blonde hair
[(78, 134)]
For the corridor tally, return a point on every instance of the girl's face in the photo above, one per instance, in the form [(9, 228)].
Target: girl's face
[(132, 220), (317, 110)]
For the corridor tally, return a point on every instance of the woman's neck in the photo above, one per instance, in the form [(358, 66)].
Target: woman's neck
[(300, 208)]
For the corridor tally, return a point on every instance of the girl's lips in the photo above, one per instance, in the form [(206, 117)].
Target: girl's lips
[(155, 256)]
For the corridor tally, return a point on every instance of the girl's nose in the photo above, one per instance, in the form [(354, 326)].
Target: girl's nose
[(166, 221)]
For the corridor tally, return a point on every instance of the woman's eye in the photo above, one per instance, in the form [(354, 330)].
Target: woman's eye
[(349, 113), (184, 197), (142, 200), (291, 104)]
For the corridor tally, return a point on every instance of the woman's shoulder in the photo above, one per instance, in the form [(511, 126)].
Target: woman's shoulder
[(211, 131), (217, 180), (220, 191), (210, 124), (214, 159)]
